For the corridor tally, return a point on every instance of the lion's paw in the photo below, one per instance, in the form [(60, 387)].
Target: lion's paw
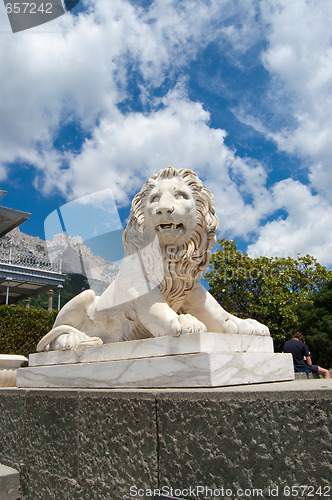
[(185, 323), (247, 326), (258, 328), (72, 341), (190, 324)]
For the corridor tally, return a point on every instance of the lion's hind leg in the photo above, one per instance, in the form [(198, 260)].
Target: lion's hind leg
[(75, 311), (67, 331)]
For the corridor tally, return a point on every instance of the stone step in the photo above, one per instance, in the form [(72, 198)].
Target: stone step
[(303, 375)]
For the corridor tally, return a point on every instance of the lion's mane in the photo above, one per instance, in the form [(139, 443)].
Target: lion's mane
[(182, 264)]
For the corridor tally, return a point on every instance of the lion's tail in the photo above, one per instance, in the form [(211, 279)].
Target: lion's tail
[(54, 333)]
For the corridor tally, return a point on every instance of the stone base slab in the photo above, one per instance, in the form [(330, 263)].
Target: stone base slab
[(190, 360), (187, 343), (187, 370)]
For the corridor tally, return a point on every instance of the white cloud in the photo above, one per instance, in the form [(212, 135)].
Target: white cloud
[(298, 118), (304, 230), (48, 77), (299, 56), (80, 70), (123, 153), (3, 173)]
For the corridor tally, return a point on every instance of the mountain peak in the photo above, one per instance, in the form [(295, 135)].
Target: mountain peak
[(69, 254)]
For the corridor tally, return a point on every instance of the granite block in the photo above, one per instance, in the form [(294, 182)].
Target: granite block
[(48, 485), (255, 443), (125, 451), (12, 427), (51, 423), (259, 437)]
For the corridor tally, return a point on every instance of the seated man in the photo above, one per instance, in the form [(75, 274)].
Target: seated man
[(302, 357)]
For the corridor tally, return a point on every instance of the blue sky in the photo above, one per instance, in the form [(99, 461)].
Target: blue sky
[(239, 91)]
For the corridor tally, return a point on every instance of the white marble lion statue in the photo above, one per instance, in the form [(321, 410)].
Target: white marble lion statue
[(158, 291)]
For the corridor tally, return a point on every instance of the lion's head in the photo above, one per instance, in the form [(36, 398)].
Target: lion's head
[(174, 206)]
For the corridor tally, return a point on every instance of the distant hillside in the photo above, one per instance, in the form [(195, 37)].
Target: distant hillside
[(70, 255)]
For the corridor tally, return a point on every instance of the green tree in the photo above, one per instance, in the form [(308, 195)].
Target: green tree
[(316, 325), (73, 285), (267, 289)]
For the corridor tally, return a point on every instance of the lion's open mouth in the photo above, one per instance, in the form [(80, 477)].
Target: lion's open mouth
[(169, 227)]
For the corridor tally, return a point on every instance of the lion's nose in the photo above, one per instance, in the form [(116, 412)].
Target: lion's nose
[(164, 209)]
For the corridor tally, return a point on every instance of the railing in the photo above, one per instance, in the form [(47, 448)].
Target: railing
[(22, 259)]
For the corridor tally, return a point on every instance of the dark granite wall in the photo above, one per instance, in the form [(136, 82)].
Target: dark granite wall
[(105, 444)]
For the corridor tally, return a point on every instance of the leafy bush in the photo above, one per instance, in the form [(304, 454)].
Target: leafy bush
[(21, 329)]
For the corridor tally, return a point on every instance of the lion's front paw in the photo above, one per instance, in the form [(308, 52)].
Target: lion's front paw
[(249, 326), (189, 324), (72, 340), (258, 328)]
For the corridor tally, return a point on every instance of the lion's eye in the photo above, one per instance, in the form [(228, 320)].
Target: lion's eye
[(181, 196), (154, 198)]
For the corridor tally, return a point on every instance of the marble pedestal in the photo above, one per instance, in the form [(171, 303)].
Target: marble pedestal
[(191, 360), (9, 364)]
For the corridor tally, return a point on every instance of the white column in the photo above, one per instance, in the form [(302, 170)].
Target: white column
[(7, 290)]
